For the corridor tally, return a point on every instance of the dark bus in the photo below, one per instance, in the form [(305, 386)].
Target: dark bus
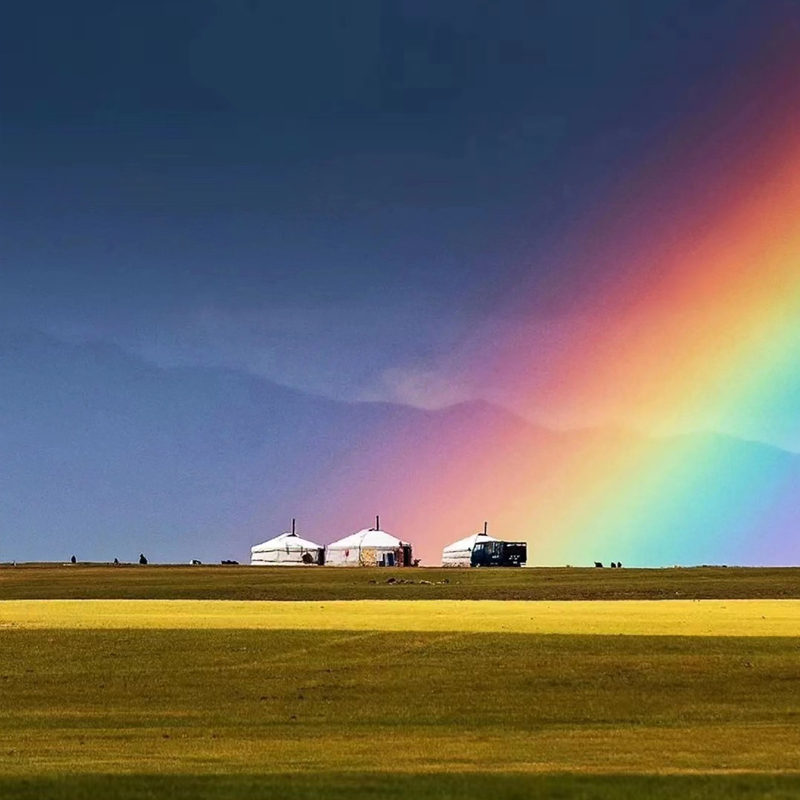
[(499, 554)]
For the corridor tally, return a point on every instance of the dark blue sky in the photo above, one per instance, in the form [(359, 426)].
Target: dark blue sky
[(200, 199), (333, 194)]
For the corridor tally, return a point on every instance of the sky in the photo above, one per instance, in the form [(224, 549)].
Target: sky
[(584, 213)]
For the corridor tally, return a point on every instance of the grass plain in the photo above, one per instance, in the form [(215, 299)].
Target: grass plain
[(169, 701), (604, 617), (156, 582)]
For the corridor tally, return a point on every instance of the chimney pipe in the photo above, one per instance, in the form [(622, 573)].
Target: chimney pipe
[(293, 526), (485, 528), (377, 523)]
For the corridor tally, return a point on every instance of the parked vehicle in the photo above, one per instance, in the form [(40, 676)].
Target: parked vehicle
[(499, 554)]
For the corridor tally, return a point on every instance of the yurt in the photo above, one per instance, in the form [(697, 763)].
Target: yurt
[(459, 554), (482, 550), (370, 547), (287, 550)]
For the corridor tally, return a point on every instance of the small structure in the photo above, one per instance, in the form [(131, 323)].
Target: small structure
[(287, 550), (370, 547), (482, 550), (459, 554)]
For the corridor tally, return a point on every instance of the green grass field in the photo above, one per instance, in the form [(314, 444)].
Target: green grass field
[(446, 700), (298, 583)]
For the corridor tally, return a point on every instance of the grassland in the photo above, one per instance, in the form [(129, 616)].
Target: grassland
[(335, 699), (264, 583), (318, 709), (610, 617), (348, 785)]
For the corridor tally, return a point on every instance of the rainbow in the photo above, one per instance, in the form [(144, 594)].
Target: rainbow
[(689, 348)]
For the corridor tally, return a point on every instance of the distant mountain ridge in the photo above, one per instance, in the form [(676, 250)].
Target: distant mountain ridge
[(105, 455)]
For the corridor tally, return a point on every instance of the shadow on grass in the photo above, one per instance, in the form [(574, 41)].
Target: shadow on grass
[(388, 786)]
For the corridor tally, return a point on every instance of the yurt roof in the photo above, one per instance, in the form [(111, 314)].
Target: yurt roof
[(288, 539), (469, 542), (369, 537)]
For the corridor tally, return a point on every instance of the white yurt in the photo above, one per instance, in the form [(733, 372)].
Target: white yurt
[(370, 547), (287, 550), (458, 554)]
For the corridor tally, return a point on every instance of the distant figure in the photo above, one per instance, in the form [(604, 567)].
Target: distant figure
[(116, 562), (619, 565), (74, 560), (598, 564), (613, 565), (142, 559)]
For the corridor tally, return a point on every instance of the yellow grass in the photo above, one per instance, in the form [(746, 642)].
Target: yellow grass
[(591, 750), (629, 617)]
